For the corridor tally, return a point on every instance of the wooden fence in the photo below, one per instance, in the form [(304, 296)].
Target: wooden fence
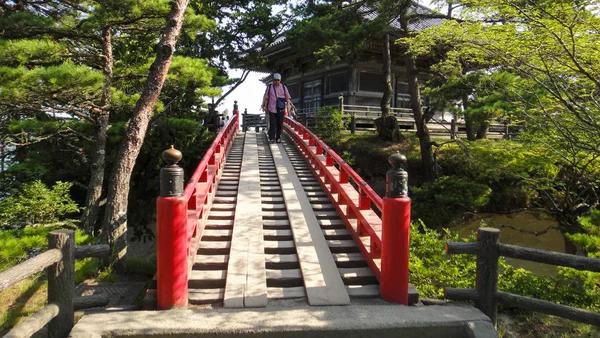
[(363, 118), (486, 294), (60, 261)]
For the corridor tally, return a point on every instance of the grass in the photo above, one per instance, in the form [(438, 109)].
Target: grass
[(22, 300), (539, 325), (30, 295)]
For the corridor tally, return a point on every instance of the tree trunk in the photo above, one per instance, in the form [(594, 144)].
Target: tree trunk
[(468, 120), (115, 219), (422, 130), (387, 77), (387, 126), (94, 192), (482, 130)]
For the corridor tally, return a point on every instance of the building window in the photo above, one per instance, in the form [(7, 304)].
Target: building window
[(402, 88), (336, 83), (370, 82), (402, 101), (293, 89), (312, 94)]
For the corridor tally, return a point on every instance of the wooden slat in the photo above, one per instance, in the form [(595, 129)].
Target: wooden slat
[(205, 296), (365, 291)]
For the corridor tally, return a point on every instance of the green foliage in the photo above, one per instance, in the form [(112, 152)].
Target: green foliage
[(590, 240), (450, 196), (431, 270), (36, 204), (60, 83), (20, 52), (515, 172), (188, 136), (330, 122), (17, 245)]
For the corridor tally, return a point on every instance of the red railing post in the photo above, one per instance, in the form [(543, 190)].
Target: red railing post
[(395, 234), (236, 111), (171, 235)]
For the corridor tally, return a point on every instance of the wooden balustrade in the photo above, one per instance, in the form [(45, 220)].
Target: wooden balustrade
[(360, 117), (60, 263), (353, 195), (486, 294), (359, 207)]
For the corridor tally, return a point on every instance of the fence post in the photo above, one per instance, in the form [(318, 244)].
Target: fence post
[(487, 272), (244, 127), (395, 234), (61, 282), (171, 235), (353, 123), (236, 110)]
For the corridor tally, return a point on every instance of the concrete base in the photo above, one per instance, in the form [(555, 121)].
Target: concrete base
[(369, 318)]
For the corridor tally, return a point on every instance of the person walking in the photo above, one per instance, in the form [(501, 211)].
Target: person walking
[(276, 102)]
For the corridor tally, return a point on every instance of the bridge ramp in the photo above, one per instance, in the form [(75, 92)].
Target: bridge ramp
[(272, 233)]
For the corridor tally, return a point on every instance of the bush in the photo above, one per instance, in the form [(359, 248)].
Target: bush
[(36, 204), (431, 269), (330, 122), (448, 198), (514, 171)]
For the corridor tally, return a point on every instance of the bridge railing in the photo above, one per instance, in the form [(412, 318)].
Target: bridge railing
[(486, 294), (59, 260), (361, 117), (182, 213), (355, 203)]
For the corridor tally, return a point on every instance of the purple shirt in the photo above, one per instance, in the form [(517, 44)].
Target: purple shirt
[(280, 90)]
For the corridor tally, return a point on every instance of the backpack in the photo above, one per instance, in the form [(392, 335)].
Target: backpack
[(280, 104)]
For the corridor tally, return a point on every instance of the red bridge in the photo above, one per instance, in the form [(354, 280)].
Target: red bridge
[(285, 229)]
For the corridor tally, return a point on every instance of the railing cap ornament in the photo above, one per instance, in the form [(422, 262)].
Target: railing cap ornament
[(396, 180), (171, 175), (397, 160), (172, 156)]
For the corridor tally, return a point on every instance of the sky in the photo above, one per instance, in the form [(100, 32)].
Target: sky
[(248, 95)]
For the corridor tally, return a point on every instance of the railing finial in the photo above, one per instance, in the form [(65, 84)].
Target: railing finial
[(171, 175), (396, 178)]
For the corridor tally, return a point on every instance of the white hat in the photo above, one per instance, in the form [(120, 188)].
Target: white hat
[(276, 76)]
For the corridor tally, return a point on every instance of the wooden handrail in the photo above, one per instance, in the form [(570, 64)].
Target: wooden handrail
[(33, 324), (59, 313), (28, 268), (200, 190), (486, 294), (357, 199)]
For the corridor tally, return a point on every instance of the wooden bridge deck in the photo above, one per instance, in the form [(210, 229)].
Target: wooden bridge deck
[(272, 233)]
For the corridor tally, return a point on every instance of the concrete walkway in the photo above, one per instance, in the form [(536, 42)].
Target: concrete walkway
[(288, 318)]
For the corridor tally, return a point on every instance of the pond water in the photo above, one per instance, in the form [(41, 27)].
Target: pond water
[(520, 228), (523, 229)]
